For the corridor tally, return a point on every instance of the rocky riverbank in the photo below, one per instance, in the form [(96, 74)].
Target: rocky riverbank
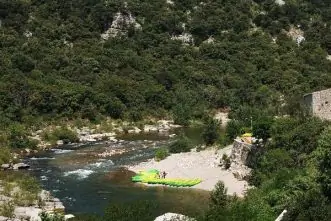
[(102, 132), (13, 208)]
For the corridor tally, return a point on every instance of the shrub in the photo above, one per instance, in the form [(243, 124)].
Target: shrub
[(211, 132), (183, 144), (233, 129), (63, 133), (226, 161), (161, 154), (18, 137), (7, 209), (5, 155), (140, 210), (51, 217), (218, 196)]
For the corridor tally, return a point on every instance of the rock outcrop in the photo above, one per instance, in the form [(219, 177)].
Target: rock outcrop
[(120, 26), (16, 166), (296, 34), (186, 38), (238, 159)]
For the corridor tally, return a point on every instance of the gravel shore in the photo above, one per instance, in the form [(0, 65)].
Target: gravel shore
[(203, 165)]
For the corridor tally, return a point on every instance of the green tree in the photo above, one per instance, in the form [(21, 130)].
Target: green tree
[(323, 159), (211, 131)]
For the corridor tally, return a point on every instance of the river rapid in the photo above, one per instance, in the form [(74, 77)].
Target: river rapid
[(86, 180)]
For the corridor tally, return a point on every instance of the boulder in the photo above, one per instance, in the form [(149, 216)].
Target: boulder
[(59, 142), (150, 128), (58, 206), (18, 166), (2, 218), (5, 166), (68, 216), (173, 217), (135, 130), (27, 213)]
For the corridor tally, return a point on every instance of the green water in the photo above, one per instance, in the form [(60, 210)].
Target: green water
[(87, 183)]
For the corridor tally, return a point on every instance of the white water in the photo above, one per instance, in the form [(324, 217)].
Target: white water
[(80, 173), (42, 158), (61, 151), (102, 163)]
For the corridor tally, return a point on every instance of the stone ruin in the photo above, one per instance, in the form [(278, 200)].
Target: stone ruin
[(238, 159), (319, 103)]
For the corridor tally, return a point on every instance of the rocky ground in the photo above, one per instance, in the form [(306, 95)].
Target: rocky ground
[(88, 134), (45, 203)]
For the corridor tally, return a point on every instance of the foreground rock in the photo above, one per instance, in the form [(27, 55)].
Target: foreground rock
[(47, 203), (16, 166), (173, 217)]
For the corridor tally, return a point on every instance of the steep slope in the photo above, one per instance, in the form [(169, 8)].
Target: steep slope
[(130, 59)]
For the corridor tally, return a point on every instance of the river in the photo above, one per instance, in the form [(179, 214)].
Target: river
[(87, 182)]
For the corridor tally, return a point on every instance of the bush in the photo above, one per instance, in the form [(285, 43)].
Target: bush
[(161, 154), (140, 210), (63, 133), (5, 155), (51, 217), (226, 161), (18, 137), (183, 144), (211, 132), (218, 196), (233, 129), (7, 209)]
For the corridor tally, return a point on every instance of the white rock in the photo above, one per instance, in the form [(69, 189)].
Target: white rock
[(173, 217), (134, 130), (210, 40), (170, 2), (300, 39), (150, 128), (59, 142), (120, 25), (20, 166), (30, 213), (5, 166), (280, 2), (68, 216), (186, 38), (28, 34)]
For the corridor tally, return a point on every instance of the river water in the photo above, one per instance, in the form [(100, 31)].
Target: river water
[(87, 182)]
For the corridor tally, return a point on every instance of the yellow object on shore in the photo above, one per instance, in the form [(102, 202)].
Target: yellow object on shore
[(152, 177), (247, 135)]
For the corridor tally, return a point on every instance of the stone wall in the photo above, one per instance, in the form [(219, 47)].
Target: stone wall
[(319, 103), (238, 158)]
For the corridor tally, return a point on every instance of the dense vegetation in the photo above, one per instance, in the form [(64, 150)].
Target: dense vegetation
[(54, 65), (290, 171)]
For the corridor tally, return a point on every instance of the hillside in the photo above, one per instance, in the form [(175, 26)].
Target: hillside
[(137, 60), (70, 59)]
